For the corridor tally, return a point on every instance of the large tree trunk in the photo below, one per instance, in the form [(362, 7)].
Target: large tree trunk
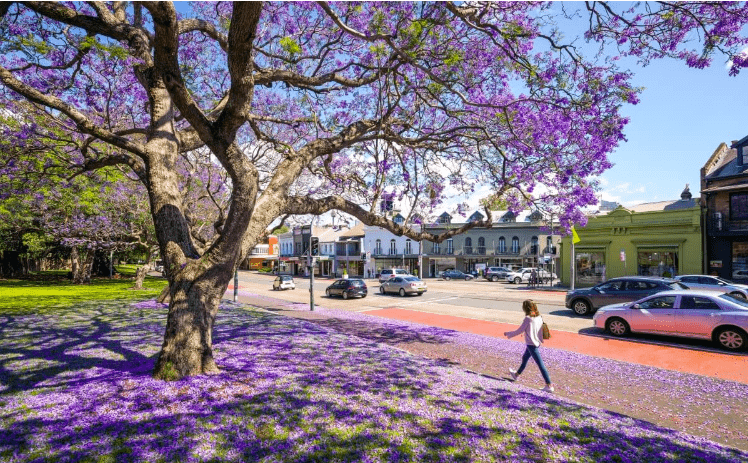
[(140, 274), (188, 343), (82, 264)]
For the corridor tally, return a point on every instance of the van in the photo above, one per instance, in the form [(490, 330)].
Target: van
[(388, 273)]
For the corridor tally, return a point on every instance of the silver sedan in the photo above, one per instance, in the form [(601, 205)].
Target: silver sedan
[(403, 285), (710, 282), (710, 315)]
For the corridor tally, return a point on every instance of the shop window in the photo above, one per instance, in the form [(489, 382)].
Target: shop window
[(590, 268), (740, 260), (657, 262)]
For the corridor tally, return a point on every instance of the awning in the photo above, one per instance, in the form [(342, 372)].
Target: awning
[(713, 189)]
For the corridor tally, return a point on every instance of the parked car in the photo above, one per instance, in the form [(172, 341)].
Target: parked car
[(618, 290), (403, 285), (496, 273), (719, 317), (388, 273), (523, 275), (456, 275), (283, 282), (159, 266), (739, 274), (347, 288), (714, 283)]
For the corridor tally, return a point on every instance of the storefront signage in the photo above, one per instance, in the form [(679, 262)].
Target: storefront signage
[(715, 263)]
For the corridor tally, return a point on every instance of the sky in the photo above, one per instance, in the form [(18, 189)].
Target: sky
[(683, 116)]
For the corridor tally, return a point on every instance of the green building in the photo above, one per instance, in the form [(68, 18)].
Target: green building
[(657, 239)]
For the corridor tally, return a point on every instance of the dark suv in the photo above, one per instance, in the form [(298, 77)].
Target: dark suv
[(347, 287), (496, 273), (616, 290)]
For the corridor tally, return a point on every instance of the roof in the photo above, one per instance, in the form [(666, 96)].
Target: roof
[(357, 230), (670, 205), (723, 162)]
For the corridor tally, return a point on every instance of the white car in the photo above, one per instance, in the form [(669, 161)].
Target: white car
[(388, 273), (283, 282), (523, 275), (721, 318)]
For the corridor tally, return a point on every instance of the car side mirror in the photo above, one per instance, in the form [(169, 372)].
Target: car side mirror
[(636, 306)]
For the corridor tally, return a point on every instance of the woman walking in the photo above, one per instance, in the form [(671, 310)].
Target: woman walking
[(532, 327)]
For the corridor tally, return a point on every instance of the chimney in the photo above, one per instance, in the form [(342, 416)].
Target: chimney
[(686, 195)]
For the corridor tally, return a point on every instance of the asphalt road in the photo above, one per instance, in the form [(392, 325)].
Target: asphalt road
[(477, 299)]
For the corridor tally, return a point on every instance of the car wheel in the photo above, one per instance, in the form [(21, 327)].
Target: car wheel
[(494, 278), (345, 295), (517, 280), (420, 294), (402, 292), (381, 289), (731, 338), (468, 278), (447, 278), (327, 293), (580, 307), (617, 327), (738, 295)]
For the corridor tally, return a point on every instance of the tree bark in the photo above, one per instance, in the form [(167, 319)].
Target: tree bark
[(140, 273), (188, 342)]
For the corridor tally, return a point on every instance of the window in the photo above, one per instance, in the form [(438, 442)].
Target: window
[(378, 247), (660, 302), (739, 206), (450, 246), (515, 245), (549, 243), (393, 247), (697, 303), (468, 245), (481, 245), (435, 248), (611, 286), (656, 262), (639, 286), (408, 249), (502, 245)]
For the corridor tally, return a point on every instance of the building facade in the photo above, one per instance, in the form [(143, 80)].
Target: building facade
[(724, 198), (514, 241), (385, 250), (656, 239)]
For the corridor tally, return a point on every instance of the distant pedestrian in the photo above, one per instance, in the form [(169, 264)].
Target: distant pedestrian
[(532, 327)]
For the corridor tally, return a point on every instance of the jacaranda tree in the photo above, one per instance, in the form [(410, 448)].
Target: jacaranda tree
[(308, 108)]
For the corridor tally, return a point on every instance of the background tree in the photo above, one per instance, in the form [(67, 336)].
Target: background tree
[(307, 108)]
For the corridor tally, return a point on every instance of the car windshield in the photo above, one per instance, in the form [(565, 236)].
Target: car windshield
[(727, 282), (677, 285), (736, 300)]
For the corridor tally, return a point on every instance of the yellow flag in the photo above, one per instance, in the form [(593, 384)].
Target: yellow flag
[(574, 237)]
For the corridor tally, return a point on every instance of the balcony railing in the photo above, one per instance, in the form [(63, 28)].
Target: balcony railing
[(724, 224)]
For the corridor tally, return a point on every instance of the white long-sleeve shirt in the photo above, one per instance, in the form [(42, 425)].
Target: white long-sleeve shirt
[(533, 329)]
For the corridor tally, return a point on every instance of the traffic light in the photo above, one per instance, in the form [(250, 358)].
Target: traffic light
[(315, 246)]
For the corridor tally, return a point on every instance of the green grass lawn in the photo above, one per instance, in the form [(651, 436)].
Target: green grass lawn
[(42, 292)]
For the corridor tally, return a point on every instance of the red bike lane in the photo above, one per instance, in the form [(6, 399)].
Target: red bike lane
[(729, 366)]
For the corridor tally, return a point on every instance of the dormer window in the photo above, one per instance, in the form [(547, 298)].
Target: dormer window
[(444, 219), (398, 219), (476, 217), (509, 217)]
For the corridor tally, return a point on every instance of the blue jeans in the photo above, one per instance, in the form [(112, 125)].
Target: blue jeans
[(532, 351)]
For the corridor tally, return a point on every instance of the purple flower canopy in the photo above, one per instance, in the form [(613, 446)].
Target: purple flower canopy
[(76, 385)]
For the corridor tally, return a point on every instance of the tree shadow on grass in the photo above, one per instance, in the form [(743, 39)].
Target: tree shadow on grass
[(290, 391)]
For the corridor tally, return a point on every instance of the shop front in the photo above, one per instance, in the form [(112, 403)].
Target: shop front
[(663, 243)]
